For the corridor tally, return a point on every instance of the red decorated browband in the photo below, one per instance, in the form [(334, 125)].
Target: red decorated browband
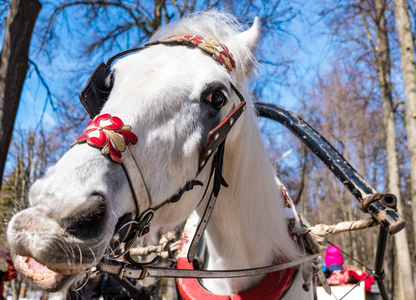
[(207, 44)]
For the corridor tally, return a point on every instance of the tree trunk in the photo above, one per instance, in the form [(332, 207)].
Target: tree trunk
[(409, 81), (383, 70), (157, 21), (20, 21)]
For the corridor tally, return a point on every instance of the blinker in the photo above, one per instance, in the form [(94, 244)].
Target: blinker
[(96, 91)]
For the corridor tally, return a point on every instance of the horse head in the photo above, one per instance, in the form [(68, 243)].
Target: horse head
[(163, 103)]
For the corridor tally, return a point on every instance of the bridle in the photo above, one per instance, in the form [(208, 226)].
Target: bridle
[(115, 138)]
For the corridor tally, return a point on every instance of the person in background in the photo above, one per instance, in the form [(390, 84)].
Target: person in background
[(338, 274), (333, 259), (7, 275)]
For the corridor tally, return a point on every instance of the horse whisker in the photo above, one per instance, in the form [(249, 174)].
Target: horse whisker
[(80, 254)]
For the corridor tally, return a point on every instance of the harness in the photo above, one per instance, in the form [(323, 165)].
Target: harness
[(113, 137)]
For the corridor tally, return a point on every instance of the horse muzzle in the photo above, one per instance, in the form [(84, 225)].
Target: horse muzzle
[(51, 253)]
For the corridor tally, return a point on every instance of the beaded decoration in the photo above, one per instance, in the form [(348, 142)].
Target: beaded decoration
[(207, 44), (109, 134)]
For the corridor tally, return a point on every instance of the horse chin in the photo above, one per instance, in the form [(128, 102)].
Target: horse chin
[(43, 277)]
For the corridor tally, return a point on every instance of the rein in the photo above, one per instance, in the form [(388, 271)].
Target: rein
[(125, 270)]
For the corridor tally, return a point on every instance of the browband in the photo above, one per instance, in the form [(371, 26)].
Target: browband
[(207, 44)]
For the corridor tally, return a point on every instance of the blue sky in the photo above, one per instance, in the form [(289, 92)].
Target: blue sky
[(304, 39), (32, 103), (309, 55)]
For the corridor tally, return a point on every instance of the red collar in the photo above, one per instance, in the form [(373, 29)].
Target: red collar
[(271, 288)]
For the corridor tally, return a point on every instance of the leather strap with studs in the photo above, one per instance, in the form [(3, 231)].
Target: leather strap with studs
[(215, 141), (201, 228), (217, 135)]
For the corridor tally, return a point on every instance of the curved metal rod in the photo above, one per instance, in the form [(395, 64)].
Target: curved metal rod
[(384, 212), (386, 215)]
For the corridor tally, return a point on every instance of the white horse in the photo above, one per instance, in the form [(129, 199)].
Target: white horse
[(166, 94)]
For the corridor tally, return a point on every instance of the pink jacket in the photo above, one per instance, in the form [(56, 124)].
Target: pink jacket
[(333, 256)]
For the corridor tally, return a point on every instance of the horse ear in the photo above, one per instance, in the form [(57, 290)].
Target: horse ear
[(251, 36)]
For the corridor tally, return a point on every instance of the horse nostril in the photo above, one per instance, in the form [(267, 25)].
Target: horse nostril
[(86, 224)]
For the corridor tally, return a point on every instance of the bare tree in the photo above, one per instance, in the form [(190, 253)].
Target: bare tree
[(13, 66), (364, 30), (30, 154), (351, 131), (381, 57), (408, 67)]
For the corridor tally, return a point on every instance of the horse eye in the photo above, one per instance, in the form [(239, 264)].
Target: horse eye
[(217, 98)]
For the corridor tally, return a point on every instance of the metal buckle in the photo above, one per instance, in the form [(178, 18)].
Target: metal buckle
[(136, 229), (88, 274), (113, 254)]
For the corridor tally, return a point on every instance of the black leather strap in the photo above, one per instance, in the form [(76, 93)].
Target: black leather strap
[(218, 135), (175, 198)]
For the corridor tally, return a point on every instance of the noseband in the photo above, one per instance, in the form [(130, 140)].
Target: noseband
[(114, 138)]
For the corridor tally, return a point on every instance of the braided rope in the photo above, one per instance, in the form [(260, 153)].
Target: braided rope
[(160, 249), (317, 236)]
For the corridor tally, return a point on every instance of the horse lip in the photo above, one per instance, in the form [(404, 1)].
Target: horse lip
[(45, 248), (46, 279), (62, 271), (54, 275)]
